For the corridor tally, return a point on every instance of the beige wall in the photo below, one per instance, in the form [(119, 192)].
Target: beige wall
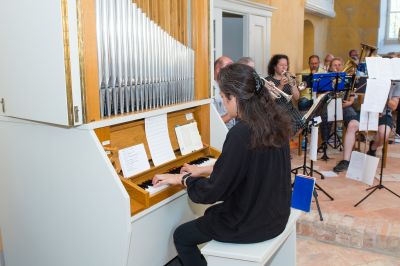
[(320, 35), (356, 21), (287, 31)]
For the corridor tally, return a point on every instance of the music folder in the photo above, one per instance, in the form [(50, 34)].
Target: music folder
[(302, 192)]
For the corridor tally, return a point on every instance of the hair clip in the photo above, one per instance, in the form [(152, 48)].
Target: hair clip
[(259, 83)]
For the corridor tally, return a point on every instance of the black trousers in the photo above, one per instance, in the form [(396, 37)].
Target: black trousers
[(186, 238)]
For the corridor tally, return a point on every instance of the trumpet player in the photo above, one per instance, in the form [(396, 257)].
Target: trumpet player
[(305, 101), (278, 67)]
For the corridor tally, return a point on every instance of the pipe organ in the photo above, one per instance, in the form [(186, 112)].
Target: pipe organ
[(94, 71), (141, 66)]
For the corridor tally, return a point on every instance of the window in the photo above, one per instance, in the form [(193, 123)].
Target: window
[(393, 20)]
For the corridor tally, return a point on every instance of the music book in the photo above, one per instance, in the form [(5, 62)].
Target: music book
[(303, 192), (317, 105), (362, 167), (133, 160), (158, 139), (189, 138)]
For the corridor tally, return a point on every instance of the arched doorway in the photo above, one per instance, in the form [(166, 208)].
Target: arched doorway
[(308, 42)]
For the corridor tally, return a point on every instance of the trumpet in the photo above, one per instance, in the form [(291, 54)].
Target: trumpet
[(293, 82), (275, 92)]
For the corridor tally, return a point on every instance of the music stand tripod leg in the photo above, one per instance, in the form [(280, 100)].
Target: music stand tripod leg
[(315, 194)]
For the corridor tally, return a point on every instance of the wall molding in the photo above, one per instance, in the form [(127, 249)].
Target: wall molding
[(324, 8), (245, 7)]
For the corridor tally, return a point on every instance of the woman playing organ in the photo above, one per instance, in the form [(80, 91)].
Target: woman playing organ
[(250, 179)]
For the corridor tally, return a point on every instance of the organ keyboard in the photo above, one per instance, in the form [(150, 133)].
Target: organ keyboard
[(148, 185), (144, 195)]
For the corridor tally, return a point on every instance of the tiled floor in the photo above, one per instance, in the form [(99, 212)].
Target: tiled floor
[(311, 252), (376, 221)]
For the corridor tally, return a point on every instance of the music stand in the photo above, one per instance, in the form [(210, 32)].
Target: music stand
[(314, 111), (334, 82), (380, 185)]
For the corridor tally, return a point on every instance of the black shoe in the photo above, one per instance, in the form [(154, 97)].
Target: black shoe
[(370, 151), (341, 166)]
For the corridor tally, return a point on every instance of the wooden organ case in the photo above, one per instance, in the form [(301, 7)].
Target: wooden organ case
[(65, 201)]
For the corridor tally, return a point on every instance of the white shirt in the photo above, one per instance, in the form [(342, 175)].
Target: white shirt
[(220, 106)]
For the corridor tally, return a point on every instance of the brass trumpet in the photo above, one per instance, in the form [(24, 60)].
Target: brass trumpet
[(293, 82), (275, 92)]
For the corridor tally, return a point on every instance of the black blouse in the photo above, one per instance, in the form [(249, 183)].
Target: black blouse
[(297, 121), (254, 187)]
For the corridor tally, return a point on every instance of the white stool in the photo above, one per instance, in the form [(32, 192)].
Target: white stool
[(280, 250)]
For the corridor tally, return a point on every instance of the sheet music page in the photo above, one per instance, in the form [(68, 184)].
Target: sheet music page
[(314, 143), (396, 68), (373, 67), (362, 167), (376, 94), (357, 163), (133, 160), (368, 120), (371, 164), (331, 110), (329, 173), (386, 69), (158, 139), (189, 138)]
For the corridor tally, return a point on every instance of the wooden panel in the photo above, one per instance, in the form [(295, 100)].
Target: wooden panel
[(88, 60), (183, 22), (200, 44), (174, 18)]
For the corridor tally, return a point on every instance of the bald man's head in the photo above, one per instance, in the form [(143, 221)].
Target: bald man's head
[(219, 64)]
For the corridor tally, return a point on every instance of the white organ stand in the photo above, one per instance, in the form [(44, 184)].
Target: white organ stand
[(61, 200)]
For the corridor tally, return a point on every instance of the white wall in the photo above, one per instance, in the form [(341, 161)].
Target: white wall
[(232, 44), (382, 47)]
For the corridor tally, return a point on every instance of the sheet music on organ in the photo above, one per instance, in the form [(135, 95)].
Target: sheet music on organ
[(189, 138), (133, 160), (157, 136)]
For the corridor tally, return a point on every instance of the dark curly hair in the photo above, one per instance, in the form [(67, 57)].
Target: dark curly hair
[(274, 61), (269, 124)]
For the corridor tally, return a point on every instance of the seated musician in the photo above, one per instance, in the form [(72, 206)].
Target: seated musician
[(386, 118), (220, 63), (305, 101), (251, 178), (247, 61), (351, 120), (327, 62), (277, 66), (353, 54)]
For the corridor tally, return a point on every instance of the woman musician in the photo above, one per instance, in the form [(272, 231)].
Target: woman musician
[(277, 66), (250, 179)]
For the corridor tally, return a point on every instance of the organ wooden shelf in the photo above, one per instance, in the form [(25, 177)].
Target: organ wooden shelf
[(119, 136)]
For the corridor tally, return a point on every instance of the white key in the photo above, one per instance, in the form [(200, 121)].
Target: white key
[(152, 190)]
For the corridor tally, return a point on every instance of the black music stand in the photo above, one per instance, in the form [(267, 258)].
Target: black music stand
[(309, 118), (334, 82), (380, 185)]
